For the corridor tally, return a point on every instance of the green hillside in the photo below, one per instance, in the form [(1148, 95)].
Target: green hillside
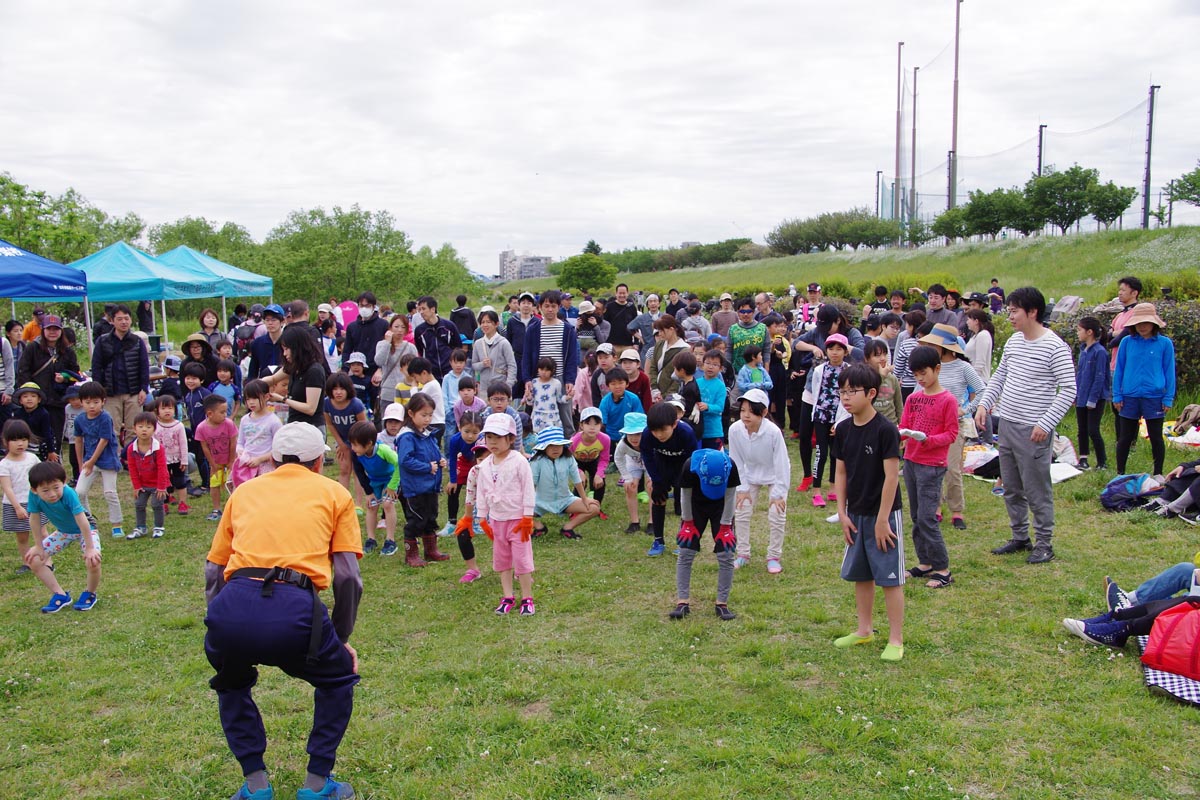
[(1083, 264)]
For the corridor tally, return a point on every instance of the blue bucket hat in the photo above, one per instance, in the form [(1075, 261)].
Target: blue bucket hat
[(549, 436), (635, 422), (712, 468)]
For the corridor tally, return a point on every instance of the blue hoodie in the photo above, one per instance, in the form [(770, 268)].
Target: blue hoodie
[(415, 451), (1145, 368), (1092, 379)]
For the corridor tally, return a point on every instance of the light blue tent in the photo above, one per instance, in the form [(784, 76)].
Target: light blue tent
[(122, 272), (236, 282)]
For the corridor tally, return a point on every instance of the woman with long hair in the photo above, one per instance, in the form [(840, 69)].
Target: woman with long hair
[(43, 362), (669, 334), (304, 371)]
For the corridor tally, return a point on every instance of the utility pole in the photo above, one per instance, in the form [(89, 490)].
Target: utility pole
[(1149, 141), (912, 189), (952, 192), (899, 99), (1041, 133), (878, 175), (1170, 206)]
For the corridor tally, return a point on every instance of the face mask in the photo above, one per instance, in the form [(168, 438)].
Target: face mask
[(366, 312)]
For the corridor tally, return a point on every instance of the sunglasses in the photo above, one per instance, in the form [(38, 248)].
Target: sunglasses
[(745, 310)]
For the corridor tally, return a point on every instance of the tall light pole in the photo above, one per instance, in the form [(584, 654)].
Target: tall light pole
[(952, 193), (1041, 133), (1149, 141), (899, 100), (912, 189), (878, 175)]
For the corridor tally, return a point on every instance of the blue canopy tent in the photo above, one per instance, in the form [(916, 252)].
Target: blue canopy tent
[(26, 276), (236, 282), (122, 272)]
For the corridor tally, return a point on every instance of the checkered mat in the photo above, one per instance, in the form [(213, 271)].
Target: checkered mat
[(1178, 687)]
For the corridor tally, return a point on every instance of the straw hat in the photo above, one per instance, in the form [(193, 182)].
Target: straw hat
[(944, 336), (1144, 312)]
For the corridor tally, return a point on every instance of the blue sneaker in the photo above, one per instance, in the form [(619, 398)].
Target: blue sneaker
[(244, 793), (57, 603), (86, 601), (656, 549), (118, 533), (1099, 630), (332, 790), (389, 548)]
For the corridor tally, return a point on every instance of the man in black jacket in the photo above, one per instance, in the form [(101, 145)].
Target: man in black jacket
[(265, 350), (121, 364), (463, 318), (365, 332), (619, 313), (435, 338)]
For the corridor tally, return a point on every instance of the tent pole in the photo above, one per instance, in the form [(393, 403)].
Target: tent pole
[(224, 314), (14, 308), (87, 318), (165, 336)]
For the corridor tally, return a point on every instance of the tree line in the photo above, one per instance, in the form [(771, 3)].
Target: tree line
[(313, 253)]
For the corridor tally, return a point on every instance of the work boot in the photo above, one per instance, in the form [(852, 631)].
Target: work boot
[(412, 556), (431, 551)]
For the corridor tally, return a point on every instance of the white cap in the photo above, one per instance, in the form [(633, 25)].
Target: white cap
[(394, 411), (756, 396), (630, 355), (486, 308), (726, 296), (605, 348), (298, 439), (357, 358), (328, 309), (591, 412), (500, 424), (676, 400)]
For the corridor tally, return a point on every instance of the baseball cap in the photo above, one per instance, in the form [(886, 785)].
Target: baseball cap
[(328, 309), (357, 358), (567, 296), (605, 348), (394, 411), (756, 396), (500, 424), (814, 287), (591, 412), (726, 296), (529, 295), (837, 338), (71, 391), (275, 309), (487, 308), (712, 468), (634, 423), (676, 400), (298, 439), (257, 308), (51, 321), (629, 354), (172, 363)]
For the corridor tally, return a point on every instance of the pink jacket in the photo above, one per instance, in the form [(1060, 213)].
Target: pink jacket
[(504, 492), (173, 439)]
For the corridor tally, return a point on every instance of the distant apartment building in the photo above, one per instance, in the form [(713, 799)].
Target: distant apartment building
[(515, 267), (686, 245)]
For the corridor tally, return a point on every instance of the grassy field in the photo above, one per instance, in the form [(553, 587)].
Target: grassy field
[(1084, 264), (600, 695)]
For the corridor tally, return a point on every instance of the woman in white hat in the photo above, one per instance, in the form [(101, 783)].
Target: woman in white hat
[(1143, 385)]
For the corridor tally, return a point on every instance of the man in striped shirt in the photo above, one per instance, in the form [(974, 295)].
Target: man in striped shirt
[(1030, 392), (552, 338)]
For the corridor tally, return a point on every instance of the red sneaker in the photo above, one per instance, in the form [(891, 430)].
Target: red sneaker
[(805, 485), (604, 516), (184, 508)]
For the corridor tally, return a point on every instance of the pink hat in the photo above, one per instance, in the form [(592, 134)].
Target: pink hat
[(836, 338)]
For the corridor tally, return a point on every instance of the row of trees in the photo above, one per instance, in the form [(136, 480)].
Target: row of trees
[(665, 258), (312, 253), (855, 228)]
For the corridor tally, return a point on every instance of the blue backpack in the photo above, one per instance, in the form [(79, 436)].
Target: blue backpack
[(1126, 492)]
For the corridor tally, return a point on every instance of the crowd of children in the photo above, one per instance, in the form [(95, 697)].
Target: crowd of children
[(704, 437)]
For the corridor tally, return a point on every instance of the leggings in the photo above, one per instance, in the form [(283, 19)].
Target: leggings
[(806, 438), (1088, 420), (1127, 436), (796, 405), (589, 469), (452, 494), (824, 432)]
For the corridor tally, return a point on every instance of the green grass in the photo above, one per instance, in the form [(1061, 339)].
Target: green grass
[(600, 695), (1087, 265)]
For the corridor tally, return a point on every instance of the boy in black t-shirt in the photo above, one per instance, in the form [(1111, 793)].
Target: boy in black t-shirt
[(707, 489), (867, 450), (665, 451)]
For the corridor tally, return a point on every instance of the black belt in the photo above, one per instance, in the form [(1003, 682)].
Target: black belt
[(273, 575)]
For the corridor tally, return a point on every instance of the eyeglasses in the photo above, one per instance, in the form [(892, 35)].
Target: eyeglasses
[(850, 392)]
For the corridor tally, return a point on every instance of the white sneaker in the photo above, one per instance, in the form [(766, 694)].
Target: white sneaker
[(832, 518), (446, 531), (136, 533), (158, 533)]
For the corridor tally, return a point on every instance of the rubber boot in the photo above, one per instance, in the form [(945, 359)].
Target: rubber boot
[(431, 551), (412, 556)]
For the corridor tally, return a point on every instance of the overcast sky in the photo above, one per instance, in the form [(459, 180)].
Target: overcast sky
[(539, 125)]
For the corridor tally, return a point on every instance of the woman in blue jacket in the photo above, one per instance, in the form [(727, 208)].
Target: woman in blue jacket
[(1093, 388), (1143, 383)]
